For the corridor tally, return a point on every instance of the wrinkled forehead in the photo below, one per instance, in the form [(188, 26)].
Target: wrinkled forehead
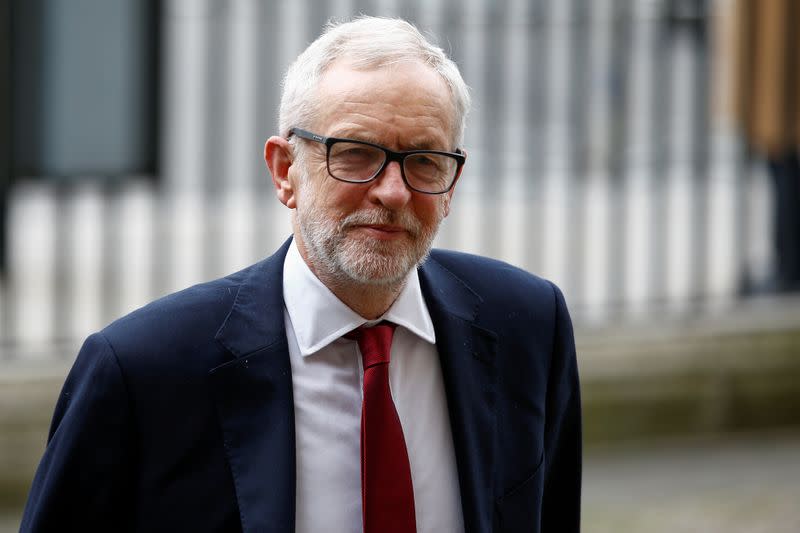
[(404, 87)]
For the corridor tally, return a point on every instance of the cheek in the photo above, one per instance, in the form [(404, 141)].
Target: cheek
[(345, 197), (313, 185), (431, 209), (334, 198)]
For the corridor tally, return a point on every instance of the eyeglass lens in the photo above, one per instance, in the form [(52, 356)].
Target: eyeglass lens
[(360, 162)]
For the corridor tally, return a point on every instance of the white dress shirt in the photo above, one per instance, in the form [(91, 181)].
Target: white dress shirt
[(327, 377)]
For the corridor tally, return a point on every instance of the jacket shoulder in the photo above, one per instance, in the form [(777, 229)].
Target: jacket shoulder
[(202, 303), (182, 322), (508, 295), (491, 278)]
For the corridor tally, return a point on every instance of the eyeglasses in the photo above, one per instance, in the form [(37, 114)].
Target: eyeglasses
[(425, 171)]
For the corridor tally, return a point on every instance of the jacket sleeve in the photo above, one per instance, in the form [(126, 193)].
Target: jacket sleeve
[(561, 501), (84, 480)]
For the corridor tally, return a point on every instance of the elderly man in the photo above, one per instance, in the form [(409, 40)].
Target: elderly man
[(351, 381)]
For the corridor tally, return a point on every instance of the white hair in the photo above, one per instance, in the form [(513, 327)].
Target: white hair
[(367, 43)]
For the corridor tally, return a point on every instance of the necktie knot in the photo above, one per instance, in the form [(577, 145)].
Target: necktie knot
[(375, 343)]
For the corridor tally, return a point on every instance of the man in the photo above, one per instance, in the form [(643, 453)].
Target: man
[(346, 382)]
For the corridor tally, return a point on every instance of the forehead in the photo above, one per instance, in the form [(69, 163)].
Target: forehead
[(398, 105)]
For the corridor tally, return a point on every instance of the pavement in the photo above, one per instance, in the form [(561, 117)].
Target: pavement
[(735, 484), (743, 484)]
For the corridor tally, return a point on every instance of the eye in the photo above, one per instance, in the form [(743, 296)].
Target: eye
[(354, 153), (426, 163)]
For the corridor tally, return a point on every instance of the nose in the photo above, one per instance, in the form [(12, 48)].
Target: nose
[(389, 189)]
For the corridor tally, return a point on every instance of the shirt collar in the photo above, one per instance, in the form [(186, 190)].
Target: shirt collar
[(318, 317)]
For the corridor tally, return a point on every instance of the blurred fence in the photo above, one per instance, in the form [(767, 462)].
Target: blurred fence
[(595, 159)]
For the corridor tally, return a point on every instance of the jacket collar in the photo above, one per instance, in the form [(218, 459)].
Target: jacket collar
[(256, 318)]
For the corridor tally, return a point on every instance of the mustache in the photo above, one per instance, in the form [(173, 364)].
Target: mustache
[(405, 220)]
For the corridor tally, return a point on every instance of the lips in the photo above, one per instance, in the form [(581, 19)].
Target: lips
[(382, 232), (382, 224), (383, 227)]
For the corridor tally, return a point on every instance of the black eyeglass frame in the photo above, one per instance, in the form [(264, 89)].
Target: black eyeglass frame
[(391, 155)]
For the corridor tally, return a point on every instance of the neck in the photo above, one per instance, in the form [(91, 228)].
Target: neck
[(369, 301)]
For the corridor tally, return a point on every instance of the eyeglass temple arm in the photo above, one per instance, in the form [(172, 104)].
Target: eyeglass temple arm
[(305, 134)]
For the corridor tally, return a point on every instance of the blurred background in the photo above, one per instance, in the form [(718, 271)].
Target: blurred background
[(643, 154)]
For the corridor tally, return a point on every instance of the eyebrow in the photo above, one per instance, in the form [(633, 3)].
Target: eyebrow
[(421, 143), (353, 136), (425, 143)]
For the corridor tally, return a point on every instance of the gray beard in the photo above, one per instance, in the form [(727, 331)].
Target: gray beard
[(347, 260)]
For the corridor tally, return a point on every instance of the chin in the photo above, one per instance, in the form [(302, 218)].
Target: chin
[(375, 268), (377, 262)]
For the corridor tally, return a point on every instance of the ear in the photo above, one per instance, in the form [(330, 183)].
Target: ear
[(449, 194), (278, 156)]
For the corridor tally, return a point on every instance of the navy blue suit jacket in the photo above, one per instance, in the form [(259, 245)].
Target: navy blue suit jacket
[(179, 416)]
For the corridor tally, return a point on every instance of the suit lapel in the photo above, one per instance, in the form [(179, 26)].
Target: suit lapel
[(253, 395), (467, 355)]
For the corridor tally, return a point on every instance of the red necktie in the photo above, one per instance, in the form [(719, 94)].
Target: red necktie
[(387, 495)]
